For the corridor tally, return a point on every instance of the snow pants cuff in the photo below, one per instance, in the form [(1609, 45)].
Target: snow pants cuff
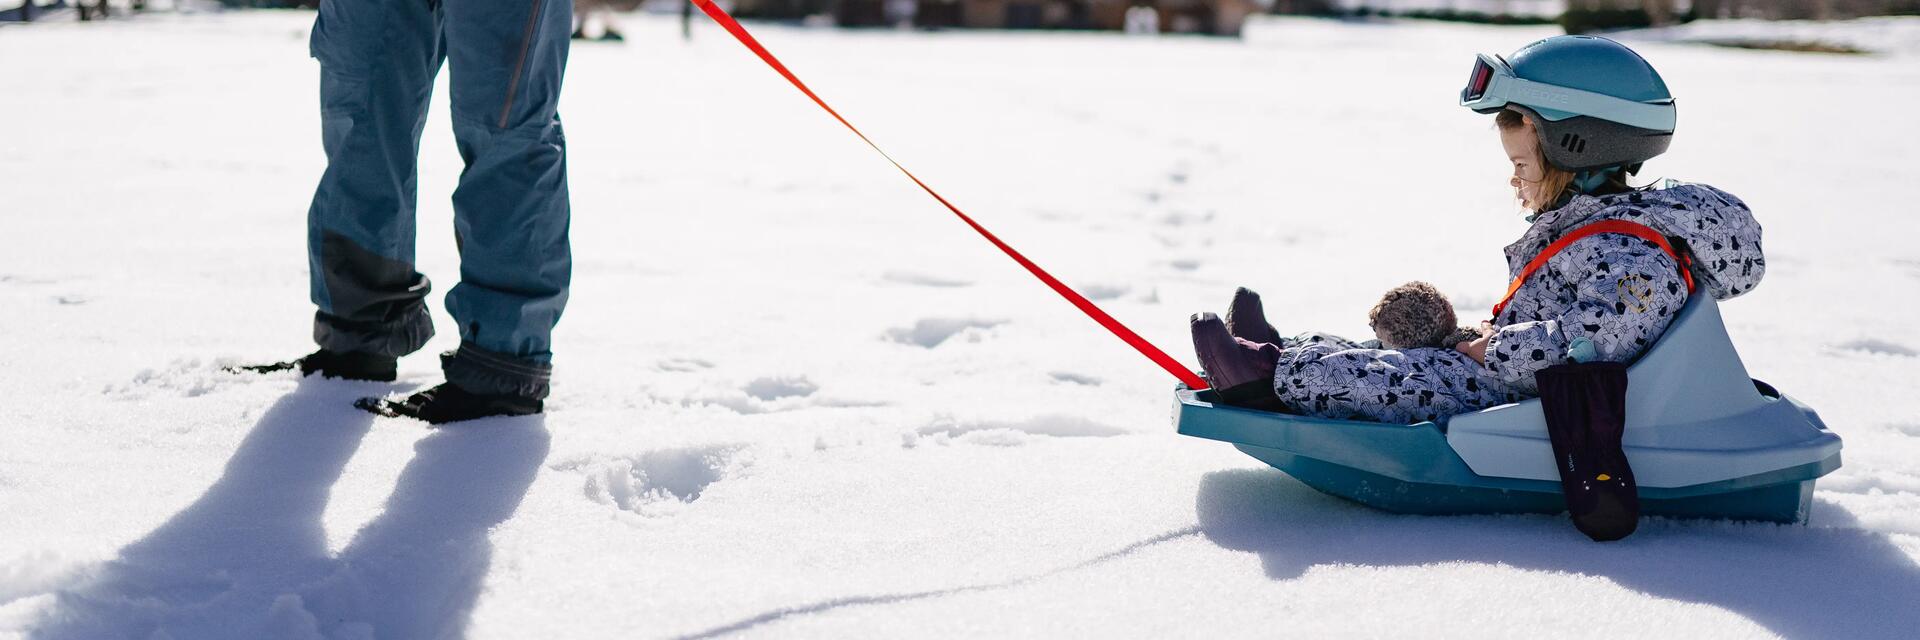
[(395, 338), (493, 373)]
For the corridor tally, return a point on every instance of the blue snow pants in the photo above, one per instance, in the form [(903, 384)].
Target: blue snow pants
[(378, 59)]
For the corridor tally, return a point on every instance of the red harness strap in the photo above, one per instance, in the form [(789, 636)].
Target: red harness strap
[(1086, 306), (1634, 229)]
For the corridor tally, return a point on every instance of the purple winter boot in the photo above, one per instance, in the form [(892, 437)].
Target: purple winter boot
[(1240, 371), (1246, 319)]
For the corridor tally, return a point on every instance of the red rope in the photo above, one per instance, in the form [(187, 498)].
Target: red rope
[(1086, 306)]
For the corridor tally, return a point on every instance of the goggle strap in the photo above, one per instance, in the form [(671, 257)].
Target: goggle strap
[(1540, 95)]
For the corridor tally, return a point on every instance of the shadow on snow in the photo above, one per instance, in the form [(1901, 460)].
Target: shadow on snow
[(1829, 580), (249, 559)]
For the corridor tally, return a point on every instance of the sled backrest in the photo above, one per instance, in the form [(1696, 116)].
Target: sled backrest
[(1692, 374), (1693, 415)]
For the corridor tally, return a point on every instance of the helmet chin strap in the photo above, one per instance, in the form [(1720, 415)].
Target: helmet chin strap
[(1591, 180), (1588, 182)]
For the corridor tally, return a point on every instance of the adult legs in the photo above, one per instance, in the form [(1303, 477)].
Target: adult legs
[(378, 59), (510, 209)]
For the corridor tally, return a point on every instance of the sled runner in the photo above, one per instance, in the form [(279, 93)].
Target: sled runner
[(1704, 440)]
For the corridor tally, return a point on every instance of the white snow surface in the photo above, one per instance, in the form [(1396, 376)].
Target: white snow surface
[(1883, 35), (797, 398)]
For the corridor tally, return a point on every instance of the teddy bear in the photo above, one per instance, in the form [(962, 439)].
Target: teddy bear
[(1416, 315)]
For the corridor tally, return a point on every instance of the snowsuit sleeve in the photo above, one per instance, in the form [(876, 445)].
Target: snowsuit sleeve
[(1724, 239), (1617, 294)]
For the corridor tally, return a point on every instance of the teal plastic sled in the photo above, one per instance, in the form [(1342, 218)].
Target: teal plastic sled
[(1705, 441)]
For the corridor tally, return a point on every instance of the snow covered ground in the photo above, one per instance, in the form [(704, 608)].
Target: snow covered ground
[(1887, 35), (796, 398)]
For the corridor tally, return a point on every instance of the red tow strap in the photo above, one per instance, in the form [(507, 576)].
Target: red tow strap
[(1634, 229), (1086, 306)]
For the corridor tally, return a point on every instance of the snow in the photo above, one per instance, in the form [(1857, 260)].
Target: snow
[(796, 398), (1881, 35)]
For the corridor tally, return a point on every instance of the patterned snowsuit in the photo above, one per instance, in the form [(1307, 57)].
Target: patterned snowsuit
[(1605, 297)]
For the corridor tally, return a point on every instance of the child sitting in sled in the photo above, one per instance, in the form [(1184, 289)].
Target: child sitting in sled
[(1576, 116)]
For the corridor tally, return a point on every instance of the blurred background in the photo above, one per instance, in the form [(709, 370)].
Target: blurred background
[(598, 19)]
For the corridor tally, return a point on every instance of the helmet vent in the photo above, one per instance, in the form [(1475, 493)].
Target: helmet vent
[(1573, 142)]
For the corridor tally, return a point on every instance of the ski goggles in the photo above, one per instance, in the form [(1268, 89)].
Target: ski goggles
[(1492, 86)]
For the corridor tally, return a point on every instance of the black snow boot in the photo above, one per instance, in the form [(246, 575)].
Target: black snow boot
[(348, 365), (1240, 371), (449, 403), (1586, 407), (1246, 319)]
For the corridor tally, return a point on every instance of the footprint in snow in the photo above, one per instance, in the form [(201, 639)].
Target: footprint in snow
[(1070, 377), (1104, 291), (683, 365), (658, 483), (774, 388), (190, 377), (8, 278), (1184, 264), (946, 430), (766, 394), (923, 279), (931, 332), (1912, 267), (1879, 347)]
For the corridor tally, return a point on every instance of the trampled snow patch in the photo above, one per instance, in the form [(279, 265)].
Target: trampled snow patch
[(924, 279), (1071, 377), (683, 365), (659, 483), (34, 573), (766, 394), (1877, 346), (932, 332), (189, 377), (945, 429), (288, 618), (1885, 482), (777, 387), (1104, 290)]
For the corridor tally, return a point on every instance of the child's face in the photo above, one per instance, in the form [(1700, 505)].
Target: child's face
[(1528, 167)]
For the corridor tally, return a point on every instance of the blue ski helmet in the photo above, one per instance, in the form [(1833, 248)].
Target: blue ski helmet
[(1594, 103)]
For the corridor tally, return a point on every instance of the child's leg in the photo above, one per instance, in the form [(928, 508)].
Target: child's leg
[(1247, 320), (1327, 340), (1325, 380)]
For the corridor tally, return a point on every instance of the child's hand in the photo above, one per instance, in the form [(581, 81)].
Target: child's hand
[(1476, 349)]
